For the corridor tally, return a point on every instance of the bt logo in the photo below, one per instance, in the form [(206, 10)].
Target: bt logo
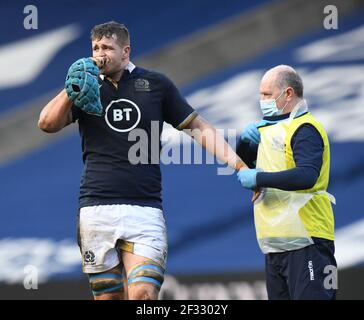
[(118, 114), (122, 115)]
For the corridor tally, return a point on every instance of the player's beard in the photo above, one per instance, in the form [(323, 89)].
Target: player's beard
[(112, 72)]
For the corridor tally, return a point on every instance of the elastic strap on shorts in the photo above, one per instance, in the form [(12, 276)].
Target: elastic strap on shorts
[(148, 271), (106, 283)]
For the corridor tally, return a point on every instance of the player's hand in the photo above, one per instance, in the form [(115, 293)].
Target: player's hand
[(100, 61)]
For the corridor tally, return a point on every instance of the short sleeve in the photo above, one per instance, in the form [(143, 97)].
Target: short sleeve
[(176, 110)]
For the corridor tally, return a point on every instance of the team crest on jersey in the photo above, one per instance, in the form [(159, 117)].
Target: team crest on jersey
[(122, 115), (141, 85)]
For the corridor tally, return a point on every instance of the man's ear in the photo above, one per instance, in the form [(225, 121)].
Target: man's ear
[(126, 52), (289, 93)]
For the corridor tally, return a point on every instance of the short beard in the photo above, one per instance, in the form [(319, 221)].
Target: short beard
[(114, 73)]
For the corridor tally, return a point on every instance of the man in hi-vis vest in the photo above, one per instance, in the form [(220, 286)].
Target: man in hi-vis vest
[(289, 154)]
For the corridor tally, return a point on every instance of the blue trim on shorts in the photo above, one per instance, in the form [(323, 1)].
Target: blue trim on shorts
[(145, 279)]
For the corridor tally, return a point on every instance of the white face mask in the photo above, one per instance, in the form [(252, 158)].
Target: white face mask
[(269, 107)]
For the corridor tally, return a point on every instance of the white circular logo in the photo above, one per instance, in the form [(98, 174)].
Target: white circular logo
[(122, 115)]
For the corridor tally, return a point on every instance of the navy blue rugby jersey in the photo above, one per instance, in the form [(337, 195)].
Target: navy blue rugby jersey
[(140, 97)]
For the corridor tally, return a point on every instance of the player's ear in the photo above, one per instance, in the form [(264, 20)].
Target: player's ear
[(126, 51)]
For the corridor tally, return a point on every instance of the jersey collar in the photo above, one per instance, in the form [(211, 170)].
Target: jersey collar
[(130, 67)]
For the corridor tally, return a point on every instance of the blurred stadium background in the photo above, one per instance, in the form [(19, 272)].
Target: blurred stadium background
[(216, 51)]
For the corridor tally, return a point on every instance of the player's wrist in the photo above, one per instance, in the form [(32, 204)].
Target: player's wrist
[(239, 164)]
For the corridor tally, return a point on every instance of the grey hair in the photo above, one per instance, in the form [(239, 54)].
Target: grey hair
[(288, 77)]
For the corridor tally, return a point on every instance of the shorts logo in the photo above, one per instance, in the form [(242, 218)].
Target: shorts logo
[(310, 268), (122, 115), (89, 257)]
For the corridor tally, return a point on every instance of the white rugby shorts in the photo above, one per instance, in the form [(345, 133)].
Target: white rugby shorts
[(140, 230)]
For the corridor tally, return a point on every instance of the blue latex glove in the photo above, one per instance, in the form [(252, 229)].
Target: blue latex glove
[(248, 178), (251, 134)]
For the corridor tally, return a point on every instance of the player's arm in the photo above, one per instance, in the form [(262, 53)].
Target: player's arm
[(56, 114), (181, 115), (205, 134)]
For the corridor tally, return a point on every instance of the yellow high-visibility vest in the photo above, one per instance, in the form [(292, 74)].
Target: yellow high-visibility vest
[(286, 220)]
